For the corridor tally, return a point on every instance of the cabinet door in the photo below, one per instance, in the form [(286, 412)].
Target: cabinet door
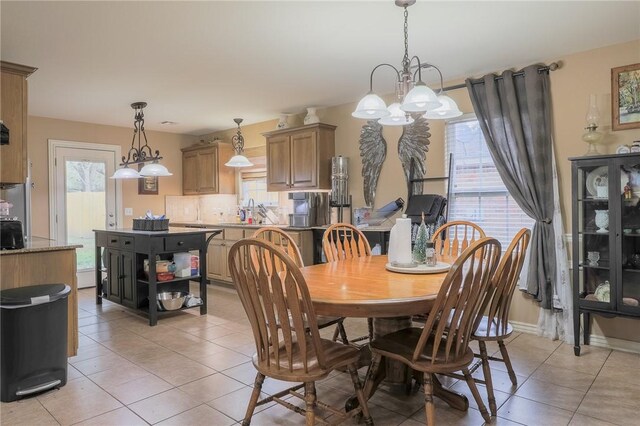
[(128, 273), (227, 249), (304, 160), (190, 173), (13, 156), (207, 171), (216, 260), (625, 185), (278, 163), (594, 237), (113, 275)]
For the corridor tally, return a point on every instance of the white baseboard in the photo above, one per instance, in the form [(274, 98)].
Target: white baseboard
[(595, 340)]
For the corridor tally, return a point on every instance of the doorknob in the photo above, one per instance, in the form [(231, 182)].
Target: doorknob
[(110, 214), (112, 224)]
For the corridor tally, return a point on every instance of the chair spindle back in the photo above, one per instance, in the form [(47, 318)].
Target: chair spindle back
[(343, 241), (454, 237), (282, 240)]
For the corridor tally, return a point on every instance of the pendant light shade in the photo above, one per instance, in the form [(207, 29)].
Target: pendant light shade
[(371, 107), (237, 141), (420, 99), (449, 109), (397, 117), (154, 169), (126, 173)]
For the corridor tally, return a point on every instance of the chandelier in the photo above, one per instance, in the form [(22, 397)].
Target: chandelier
[(238, 160), (142, 154), (413, 96)]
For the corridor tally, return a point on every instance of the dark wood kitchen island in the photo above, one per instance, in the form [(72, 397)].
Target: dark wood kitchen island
[(125, 253)]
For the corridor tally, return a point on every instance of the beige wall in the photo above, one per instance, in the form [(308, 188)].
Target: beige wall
[(41, 129), (581, 74)]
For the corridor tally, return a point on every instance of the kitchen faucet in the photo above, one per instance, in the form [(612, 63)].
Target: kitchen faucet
[(251, 205)]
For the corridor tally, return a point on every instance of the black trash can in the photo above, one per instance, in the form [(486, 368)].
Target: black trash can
[(33, 351)]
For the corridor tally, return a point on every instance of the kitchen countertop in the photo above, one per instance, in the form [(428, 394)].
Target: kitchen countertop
[(171, 231), (233, 225), (37, 244)]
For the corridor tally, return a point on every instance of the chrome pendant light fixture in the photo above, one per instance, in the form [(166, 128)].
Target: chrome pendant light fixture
[(142, 154), (238, 160), (414, 96)]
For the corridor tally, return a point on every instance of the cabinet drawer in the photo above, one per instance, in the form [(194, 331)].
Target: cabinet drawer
[(182, 242), (120, 241), (233, 234)]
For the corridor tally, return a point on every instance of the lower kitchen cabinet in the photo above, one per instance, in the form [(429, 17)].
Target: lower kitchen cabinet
[(121, 279)]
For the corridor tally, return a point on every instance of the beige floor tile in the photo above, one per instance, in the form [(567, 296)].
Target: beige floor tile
[(138, 389), (588, 350), (278, 415), (72, 373), (624, 359), (612, 400), (235, 404), (501, 380), (523, 360), (122, 416), (223, 360), (580, 420), (548, 393), (396, 400), (184, 372), (614, 371), (199, 349), (411, 422), (102, 363), (248, 349), (89, 352), (446, 415), (585, 363), (527, 412), (234, 340), (380, 416), (27, 412), (117, 376), (463, 388), (163, 406), (564, 377), (201, 415), (501, 421), (245, 373), (211, 387), (531, 341), (78, 400)]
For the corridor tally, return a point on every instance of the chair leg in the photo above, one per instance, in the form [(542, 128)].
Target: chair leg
[(486, 370), (429, 406), (370, 380), (353, 371), (336, 333), (343, 333), (370, 326), (257, 387), (310, 400), (476, 395), (507, 362)]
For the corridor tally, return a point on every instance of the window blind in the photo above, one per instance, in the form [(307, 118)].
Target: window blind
[(477, 192)]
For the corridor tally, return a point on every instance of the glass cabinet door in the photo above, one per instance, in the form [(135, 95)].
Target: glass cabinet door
[(592, 217), (629, 299)]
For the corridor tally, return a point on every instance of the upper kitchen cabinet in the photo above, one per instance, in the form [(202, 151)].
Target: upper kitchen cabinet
[(300, 158), (13, 113), (204, 172)]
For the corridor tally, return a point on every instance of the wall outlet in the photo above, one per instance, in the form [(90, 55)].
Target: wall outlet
[(128, 211)]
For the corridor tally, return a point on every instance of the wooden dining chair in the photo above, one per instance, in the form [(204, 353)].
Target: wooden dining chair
[(342, 241), (495, 325), (275, 297), (454, 237), (284, 241), (442, 345)]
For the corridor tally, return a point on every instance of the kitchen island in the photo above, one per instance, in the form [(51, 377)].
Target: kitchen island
[(125, 254), (44, 261)]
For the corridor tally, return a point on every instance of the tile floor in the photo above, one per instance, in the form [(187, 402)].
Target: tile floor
[(192, 370)]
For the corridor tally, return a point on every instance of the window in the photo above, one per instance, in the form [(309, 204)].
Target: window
[(254, 185), (477, 192)]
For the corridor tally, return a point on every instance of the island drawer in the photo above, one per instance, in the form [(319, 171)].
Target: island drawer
[(120, 241), (182, 242)]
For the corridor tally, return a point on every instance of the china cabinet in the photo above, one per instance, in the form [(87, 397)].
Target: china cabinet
[(300, 158), (606, 239)]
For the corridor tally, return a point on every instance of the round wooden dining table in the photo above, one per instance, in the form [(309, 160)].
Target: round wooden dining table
[(363, 288)]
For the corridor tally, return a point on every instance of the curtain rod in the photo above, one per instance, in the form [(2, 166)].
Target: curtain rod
[(551, 67)]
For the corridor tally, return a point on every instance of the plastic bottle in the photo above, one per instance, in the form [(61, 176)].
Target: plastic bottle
[(376, 250)]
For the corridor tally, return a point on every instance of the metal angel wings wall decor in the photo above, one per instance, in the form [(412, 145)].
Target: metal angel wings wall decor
[(413, 145)]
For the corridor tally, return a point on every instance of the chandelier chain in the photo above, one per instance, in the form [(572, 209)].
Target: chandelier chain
[(405, 60)]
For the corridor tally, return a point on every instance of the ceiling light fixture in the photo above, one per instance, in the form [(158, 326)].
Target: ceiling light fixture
[(142, 154), (413, 96), (238, 160)]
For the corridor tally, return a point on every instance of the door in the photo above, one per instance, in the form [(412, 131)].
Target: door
[(278, 163), (83, 198), (190, 173), (216, 260), (208, 171), (304, 160)]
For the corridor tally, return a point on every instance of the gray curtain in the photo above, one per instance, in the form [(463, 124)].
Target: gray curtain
[(514, 112)]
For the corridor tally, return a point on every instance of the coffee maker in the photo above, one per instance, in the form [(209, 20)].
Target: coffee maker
[(309, 209)]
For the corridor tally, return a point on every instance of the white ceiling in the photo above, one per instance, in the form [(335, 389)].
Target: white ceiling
[(201, 64)]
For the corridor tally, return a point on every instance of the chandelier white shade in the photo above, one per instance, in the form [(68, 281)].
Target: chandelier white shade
[(142, 154), (413, 95), (397, 116), (238, 160), (154, 169), (126, 173), (449, 109)]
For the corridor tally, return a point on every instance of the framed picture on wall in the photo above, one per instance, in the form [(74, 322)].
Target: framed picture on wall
[(147, 185), (625, 97)]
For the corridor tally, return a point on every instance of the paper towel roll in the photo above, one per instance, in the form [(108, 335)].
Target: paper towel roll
[(400, 242)]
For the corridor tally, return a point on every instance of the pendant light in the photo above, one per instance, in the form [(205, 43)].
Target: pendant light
[(238, 160)]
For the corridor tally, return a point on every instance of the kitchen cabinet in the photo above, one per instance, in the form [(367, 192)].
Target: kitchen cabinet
[(300, 158), (606, 239), (204, 172), (124, 263), (13, 113)]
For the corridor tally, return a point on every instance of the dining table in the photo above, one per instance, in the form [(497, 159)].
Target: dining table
[(363, 288)]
